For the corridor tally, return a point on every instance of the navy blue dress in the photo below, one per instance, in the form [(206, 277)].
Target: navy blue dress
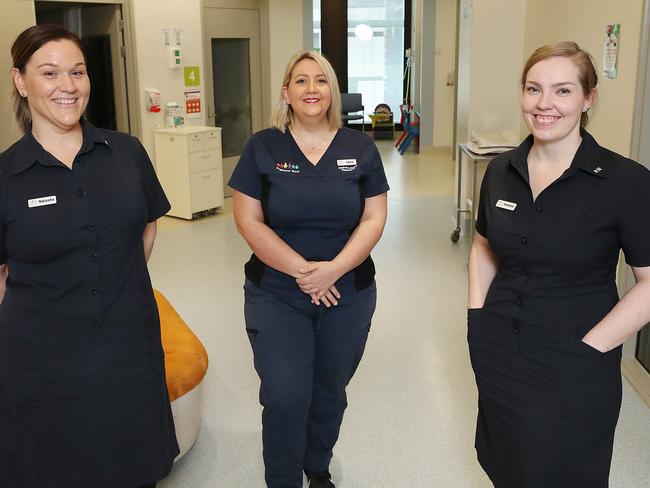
[(549, 403), (83, 398)]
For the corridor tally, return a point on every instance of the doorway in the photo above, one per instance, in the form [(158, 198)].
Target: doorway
[(234, 88), (100, 28)]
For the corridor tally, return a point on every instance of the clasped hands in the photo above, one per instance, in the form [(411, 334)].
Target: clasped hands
[(317, 279)]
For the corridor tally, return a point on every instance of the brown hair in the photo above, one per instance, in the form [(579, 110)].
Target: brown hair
[(582, 59), (282, 115), (26, 44)]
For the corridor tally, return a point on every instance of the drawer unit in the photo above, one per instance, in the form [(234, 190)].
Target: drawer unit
[(190, 169)]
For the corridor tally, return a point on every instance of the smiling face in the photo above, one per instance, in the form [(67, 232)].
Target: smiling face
[(553, 100), (308, 91), (56, 85)]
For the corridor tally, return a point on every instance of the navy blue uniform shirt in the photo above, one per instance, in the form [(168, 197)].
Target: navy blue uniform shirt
[(313, 208), (558, 254)]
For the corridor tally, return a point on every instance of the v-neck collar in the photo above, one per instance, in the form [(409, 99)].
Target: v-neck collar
[(301, 155)]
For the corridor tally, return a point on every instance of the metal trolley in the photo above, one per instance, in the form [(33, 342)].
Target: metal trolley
[(476, 159)]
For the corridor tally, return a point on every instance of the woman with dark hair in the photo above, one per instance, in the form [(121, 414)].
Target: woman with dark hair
[(545, 324), (83, 398)]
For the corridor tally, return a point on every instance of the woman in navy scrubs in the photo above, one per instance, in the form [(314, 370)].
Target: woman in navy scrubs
[(83, 398), (310, 200), (545, 324)]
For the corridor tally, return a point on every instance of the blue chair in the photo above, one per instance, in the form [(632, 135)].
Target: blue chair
[(351, 103)]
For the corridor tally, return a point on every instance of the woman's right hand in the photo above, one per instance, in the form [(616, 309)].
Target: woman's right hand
[(329, 298), (3, 280)]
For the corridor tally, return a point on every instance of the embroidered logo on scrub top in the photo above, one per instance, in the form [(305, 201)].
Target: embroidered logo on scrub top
[(40, 201), (346, 164), (287, 167), (506, 205)]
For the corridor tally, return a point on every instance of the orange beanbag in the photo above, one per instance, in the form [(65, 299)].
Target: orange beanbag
[(186, 361)]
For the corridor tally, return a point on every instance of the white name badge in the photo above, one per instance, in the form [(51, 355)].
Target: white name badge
[(40, 201), (346, 162), (506, 205)]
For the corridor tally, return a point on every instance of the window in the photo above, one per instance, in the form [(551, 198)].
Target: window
[(376, 52), (316, 20)]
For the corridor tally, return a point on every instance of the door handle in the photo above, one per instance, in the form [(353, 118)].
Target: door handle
[(212, 115)]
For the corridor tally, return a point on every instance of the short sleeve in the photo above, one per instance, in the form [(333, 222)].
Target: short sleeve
[(481, 214), (246, 177), (634, 228), (375, 182), (157, 202)]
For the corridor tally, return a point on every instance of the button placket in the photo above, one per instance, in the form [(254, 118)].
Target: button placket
[(94, 289), (527, 227)]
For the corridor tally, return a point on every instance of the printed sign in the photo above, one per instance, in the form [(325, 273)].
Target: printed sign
[(193, 104), (610, 56), (192, 76)]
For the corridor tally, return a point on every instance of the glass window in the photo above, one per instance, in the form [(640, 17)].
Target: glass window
[(316, 20), (375, 52)]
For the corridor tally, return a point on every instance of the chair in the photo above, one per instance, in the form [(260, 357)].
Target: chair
[(186, 363), (350, 103)]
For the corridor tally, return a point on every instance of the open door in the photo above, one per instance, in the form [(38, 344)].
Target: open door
[(234, 88), (100, 27)]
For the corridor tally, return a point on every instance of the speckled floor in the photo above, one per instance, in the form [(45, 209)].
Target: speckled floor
[(412, 403)]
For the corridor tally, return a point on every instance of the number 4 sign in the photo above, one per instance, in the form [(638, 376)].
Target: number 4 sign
[(192, 76)]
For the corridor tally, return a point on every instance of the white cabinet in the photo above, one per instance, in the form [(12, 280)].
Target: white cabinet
[(190, 169)]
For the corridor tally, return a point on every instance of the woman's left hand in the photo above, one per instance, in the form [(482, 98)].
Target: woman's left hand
[(318, 277)]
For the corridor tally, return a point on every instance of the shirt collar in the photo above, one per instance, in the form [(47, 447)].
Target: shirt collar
[(31, 151), (590, 157)]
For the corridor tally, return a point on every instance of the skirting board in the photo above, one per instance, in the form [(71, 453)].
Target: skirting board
[(638, 377)]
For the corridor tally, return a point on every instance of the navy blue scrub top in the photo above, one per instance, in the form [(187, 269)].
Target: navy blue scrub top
[(313, 208)]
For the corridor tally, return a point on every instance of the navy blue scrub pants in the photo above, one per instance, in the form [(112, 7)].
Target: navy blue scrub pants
[(305, 356)]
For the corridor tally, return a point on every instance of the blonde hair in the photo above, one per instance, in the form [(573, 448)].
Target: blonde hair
[(582, 59), (282, 116)]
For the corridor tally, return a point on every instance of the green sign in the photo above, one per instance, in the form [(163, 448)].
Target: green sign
[(191, 75)]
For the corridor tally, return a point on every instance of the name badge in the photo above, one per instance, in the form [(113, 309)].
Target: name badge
[(346, 164), (41, 201), (506, 205)]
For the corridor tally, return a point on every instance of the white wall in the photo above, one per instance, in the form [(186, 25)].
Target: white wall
[(149, 18), (17, 15), (497, 44), (285, 29), (584, 21), (426, 62), (445, 52), (464, 65)]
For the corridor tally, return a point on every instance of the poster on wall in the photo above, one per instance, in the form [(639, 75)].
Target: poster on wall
[(193, 104), (610, 56), (192, 76)]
